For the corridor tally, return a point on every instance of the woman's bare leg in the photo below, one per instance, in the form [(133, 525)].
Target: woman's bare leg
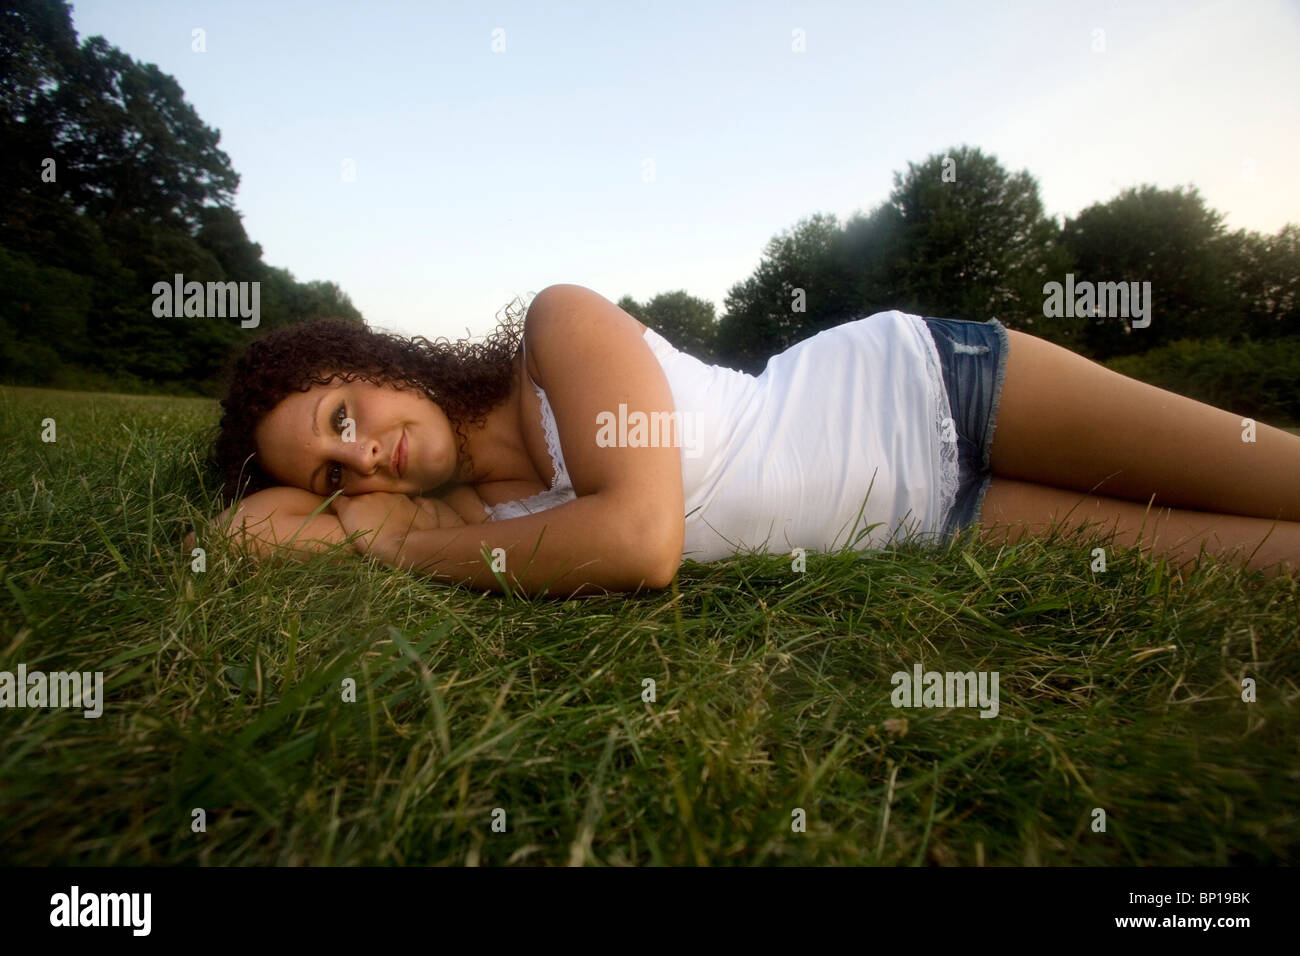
[(1013, 509), (1067, 422)]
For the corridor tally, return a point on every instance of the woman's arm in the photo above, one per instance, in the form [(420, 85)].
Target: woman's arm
[(464, 501), (627, 526), (298, 523), (283, 520), (573, 549)]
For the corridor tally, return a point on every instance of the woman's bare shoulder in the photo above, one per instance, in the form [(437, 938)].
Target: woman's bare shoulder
[(566, 295)]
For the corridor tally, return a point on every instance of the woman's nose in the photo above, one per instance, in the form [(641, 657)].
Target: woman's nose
[(363, 456)]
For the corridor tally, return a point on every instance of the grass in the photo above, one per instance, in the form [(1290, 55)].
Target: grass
[(1119, 690)]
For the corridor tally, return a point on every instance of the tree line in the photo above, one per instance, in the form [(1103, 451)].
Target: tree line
[(961, 237), (110, 184)]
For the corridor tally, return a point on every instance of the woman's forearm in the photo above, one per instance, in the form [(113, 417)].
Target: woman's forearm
[(283, 521), (585, 546), (292, 522), (591, 545)]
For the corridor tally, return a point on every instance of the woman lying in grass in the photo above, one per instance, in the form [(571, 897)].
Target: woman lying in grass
[(582, 453)]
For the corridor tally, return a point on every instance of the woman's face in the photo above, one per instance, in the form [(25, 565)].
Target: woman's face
[(397, 440)]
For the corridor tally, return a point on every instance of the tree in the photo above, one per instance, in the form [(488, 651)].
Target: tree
[(975, 243), (38, 47), (1265, 276), (111, 184), (800, 287), (133, 146), (960, 238), (1170, 239), (685, 321), (221, 232)]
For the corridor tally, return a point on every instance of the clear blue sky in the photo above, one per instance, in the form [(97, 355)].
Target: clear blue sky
[(480, 175)]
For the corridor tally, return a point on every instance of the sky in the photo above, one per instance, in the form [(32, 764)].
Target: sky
[(436, 159)]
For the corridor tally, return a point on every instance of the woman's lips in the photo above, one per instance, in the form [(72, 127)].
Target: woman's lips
[(399, 456)]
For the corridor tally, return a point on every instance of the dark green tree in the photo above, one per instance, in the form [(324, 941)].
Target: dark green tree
[(800, 287), (1265, 277), (960, 237), (1171, 239), (221, 232), (976, 244), (110, 183), (689, 323), (133, 146)]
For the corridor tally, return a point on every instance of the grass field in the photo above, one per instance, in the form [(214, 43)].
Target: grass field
[(1119, 690)]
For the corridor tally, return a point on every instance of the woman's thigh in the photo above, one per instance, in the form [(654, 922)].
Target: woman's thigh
[(1067, 422)]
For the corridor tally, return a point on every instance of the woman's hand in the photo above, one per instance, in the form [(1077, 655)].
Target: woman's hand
[(384, 520), (444, 514)]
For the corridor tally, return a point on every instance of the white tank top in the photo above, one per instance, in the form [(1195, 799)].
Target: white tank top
[(785, 459)]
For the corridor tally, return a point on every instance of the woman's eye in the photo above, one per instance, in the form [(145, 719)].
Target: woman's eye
[(334, 474), (340, 416)]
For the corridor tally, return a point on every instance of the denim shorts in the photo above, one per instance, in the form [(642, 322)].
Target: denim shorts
[(973, 359)]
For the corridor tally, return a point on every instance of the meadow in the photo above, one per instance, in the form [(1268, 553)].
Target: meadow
[(498, 730)]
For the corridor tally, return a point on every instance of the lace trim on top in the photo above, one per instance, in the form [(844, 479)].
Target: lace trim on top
[(940, 413), (561, 489)]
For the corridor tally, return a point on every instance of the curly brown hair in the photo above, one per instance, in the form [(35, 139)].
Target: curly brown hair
[(466, 379)]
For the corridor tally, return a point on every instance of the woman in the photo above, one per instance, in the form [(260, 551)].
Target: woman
[(584, 454)]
